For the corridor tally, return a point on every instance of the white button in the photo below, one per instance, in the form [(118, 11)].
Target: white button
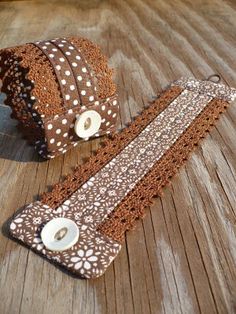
[(60, 234), (88, 123)]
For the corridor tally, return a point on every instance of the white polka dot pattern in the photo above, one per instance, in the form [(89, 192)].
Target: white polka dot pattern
[(61, 127), (62, 70), (78, 91), (79, 70), (72, 70)]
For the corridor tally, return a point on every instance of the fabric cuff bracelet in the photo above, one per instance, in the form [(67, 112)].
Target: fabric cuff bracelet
[(81, 223), (60, 91)]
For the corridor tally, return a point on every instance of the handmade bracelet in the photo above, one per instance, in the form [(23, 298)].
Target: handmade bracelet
[(60, 91), (81, 223)]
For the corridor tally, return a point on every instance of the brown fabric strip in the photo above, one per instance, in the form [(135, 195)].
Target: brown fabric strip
[(79, 69), (63, 73)]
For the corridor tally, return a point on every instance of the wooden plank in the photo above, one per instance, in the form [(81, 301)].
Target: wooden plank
[(181, 258)]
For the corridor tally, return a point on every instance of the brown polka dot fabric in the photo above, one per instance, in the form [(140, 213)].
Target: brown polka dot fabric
[(50, 83), (106, 196), (60, 129)]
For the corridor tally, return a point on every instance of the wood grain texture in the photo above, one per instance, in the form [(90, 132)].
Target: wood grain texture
[(181, 258)]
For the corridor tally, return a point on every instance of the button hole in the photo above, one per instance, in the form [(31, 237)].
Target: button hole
[(60, 234), (87, 123)]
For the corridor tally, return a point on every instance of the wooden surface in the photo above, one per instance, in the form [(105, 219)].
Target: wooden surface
[(181, 258)]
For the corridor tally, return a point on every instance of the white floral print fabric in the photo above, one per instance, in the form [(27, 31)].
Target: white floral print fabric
[(91, 255), (212, 89)]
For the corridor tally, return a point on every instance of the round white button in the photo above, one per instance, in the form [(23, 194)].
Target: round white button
[(60, 234), (88, 123)]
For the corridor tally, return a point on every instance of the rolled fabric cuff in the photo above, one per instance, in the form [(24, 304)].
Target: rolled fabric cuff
[(50, 83)]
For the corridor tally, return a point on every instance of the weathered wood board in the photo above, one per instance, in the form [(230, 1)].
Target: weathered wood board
[(181, 258)]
